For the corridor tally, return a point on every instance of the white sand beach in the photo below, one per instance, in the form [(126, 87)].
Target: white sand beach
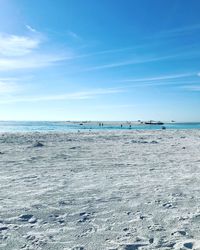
[(100, 190)]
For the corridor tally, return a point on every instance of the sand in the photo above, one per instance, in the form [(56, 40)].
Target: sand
[(100, 190)]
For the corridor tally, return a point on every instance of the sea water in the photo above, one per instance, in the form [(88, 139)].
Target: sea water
[(46, 126)]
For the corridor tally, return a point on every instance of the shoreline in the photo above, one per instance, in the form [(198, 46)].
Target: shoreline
[(82, 126)]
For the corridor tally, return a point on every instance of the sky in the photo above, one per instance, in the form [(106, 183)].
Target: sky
[(100, 60)]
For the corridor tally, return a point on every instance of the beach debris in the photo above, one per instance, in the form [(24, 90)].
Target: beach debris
[(38, 144)]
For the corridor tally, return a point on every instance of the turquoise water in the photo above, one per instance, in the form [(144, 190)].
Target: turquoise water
[(12, 126)]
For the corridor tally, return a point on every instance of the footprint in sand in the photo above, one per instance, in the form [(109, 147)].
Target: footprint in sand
[(179, 233), (188, 244), (3, 228), (78, 248), (84, 217), (38, 145), (87, 232), (134, 246)]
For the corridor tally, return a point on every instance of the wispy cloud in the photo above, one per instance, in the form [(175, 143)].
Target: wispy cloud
[(129, 62), (73, 35), (81, 95), (111, 51), (115, 106), (25, 52), (30, 28), (179, 31), (31, 62), (181, 80), (159, 78)]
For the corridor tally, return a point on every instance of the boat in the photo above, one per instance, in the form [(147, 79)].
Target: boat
[(154, 123)]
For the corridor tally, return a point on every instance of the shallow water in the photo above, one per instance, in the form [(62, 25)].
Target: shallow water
[(46, 126)]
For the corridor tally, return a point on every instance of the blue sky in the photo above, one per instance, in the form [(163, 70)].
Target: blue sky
[(100, 60)]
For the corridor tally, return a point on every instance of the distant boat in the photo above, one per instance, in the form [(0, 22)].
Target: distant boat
[(154, 123)]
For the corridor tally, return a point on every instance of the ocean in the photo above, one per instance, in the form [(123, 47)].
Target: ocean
[(46, 126)]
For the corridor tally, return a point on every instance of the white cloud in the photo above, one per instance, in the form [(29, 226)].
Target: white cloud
[(130, 62), (24, 52), (12, 45)]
